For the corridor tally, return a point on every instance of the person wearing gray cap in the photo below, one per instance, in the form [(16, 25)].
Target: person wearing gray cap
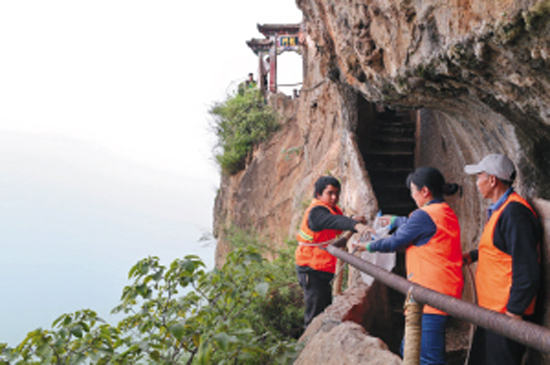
[(508, 270)]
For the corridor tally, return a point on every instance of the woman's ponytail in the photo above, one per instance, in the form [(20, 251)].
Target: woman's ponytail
[(433, 179), (450, 189)]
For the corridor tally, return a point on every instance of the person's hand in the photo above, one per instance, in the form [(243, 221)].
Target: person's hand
[(360, 245), (359, 218), (385, 220), (466, 258), (513, 316), (362, 228), (364, 236), (364, 231)]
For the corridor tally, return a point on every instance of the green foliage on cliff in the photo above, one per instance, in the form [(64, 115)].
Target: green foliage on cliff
[(282, 311), (241, 122), (182, 314)]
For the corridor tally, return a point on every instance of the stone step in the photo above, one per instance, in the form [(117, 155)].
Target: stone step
[(395, 119), (393, 139), (390, 153), (379, 145), (390, 128), (388, 159), (398, 132), (392, 170), (395, 175), (389, 184)]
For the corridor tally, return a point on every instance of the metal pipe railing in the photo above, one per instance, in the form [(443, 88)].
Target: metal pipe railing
[(524, 332)]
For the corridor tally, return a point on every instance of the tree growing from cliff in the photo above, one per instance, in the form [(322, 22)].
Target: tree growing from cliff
[(241, 122), (179, 314)]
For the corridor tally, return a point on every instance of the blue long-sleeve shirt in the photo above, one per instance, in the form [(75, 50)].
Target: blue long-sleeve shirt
[(417, 229)]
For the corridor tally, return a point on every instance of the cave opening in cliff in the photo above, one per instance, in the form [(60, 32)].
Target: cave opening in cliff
[(386, 140)]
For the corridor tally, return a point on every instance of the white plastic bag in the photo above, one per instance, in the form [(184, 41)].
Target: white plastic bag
[(381, 231), (384, 260)]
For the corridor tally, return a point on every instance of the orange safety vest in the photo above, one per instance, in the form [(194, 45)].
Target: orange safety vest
[(494, 268), (314, 256), (437, 265)]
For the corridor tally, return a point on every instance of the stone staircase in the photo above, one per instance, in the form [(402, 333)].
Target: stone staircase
[(389, 158)]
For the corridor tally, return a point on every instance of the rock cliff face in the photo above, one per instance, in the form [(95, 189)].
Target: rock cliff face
[(472, 76)]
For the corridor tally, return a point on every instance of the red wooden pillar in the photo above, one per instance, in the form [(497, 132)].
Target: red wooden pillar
[(273, 65), (261, 73)]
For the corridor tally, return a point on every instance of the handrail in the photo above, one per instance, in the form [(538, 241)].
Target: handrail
[(527, 333)]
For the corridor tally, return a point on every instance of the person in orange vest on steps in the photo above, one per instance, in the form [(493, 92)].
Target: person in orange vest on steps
[(508, 259), (323, 221), (431, 237)]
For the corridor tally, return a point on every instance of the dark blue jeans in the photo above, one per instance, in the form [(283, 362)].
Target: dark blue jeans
[(432, 350)]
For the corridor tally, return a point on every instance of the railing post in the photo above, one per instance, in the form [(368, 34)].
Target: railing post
[(338, 278), (413, 331)]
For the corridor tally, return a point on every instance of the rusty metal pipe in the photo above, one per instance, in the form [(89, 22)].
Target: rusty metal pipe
[(527, 333)]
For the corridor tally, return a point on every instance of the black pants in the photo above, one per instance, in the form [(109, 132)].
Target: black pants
[(488, 348), (317, 291)]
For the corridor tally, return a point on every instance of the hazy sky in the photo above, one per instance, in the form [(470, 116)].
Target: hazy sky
[(105, 151)]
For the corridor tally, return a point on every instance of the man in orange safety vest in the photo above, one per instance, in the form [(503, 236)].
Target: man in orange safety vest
[(323, 221), (508, 270)]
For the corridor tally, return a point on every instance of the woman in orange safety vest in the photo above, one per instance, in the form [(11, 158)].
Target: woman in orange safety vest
[(431, 237)]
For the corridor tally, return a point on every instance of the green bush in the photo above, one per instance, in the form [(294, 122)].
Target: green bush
[(241, 122), (182, 314), (282, 310)]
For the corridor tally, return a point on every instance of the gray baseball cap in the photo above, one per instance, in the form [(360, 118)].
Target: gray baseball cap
[(495, 164)]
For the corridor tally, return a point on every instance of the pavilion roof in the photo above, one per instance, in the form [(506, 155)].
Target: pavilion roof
[(258, 45), (272, 29)]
